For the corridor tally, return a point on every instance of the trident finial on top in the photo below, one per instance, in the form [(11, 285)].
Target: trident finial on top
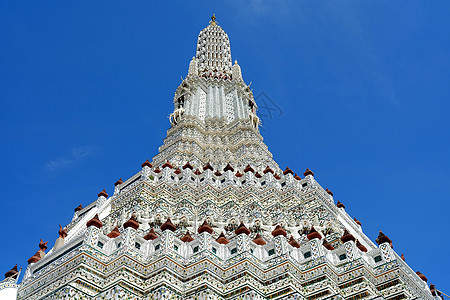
[(213, 20)]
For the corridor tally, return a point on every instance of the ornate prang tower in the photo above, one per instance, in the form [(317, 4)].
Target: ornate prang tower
[(214, 217)]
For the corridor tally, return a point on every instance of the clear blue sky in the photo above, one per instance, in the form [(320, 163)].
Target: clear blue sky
[(363, 90)]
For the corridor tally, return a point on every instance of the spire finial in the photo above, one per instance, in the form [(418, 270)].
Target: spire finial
[(213, 20)]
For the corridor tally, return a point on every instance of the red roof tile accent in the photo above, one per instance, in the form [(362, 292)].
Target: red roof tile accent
[(238, 174), (267, 170), (421, 276), (114, 233), (361, 246), (313, 234), (248, 169), (217, 173), (340, 205), (62, 232), (279, 231), (35, 258), (103, 194), (242, 229), (151, 235), (78, 208), (177, 171), (188, 166), (147, 164), (403, 257), (277, 177), (167, 165), (382, 238), (168, 225), (257, 175), (118, 182), (288, 171), (208, 167), (42, 245), (205, 227), (95, 221), (132, 222), (187, 237), (357, 222), (228, 167), (347, 236), (329, 192), (293, 242), (197, 172), (297, 177), (157, 170), (308, 172), (222, 239), (12, 273), (327, 245), (258, 240)]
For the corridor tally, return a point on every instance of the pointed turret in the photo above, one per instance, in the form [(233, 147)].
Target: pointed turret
[(279, 231), (95, 221), (187, 237), (258, 240), (242, 229), (151, 235), (168, 225), (114, 233), (205, 227), (222, 239)]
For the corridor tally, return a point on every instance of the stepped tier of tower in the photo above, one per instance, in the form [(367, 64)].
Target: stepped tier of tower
[(231, 234)]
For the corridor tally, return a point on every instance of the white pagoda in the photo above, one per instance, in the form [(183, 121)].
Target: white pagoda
[(213, 216)]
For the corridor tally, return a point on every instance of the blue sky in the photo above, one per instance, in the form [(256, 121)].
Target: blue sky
[(361, 91)]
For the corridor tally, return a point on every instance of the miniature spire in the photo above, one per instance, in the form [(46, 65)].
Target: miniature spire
[(187, 237), (167, 165), (242, 229), (249, 169), (327, 245), (279, 231), (293, 242), (132, 222), (313, 234), (382, 238), (168, 225), (62, 232), (118, 182), (151, 235), (188, 166), (258, 240), (114, 233), (12, 273), (95, 221), (222, 239), (228, 167), (308, 172), (340, 205), (78, 208), (347, 236), (361, 246), (146, 164), (288, 171), (421, 276), (103, 194), (208, 167), (205, 227)]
